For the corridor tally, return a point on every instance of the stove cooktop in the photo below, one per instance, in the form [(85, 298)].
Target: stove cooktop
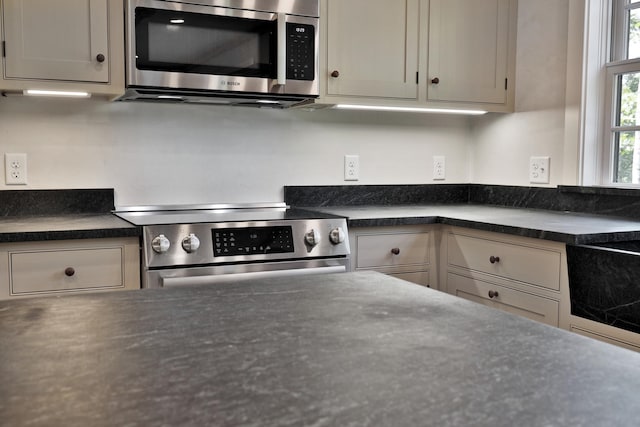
[(194, 214)]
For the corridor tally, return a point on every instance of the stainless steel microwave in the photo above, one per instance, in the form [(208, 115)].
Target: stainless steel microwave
[(246, 52)]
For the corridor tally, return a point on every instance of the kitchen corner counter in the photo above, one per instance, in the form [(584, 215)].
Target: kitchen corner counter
[(344, 349), (40, 215), (566, 227), (64, 227)]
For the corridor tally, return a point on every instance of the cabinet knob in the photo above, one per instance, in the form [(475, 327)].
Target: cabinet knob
[(494, 259), (435, 80), (100, 57), (493, 294), (69, 271), (335, 73), (395, 251)]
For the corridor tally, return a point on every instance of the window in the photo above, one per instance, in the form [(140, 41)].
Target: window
[(622, 156)]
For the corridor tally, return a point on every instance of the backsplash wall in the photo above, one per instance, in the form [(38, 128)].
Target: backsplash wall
[(167, 153)]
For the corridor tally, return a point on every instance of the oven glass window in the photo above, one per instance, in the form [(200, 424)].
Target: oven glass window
[(251, 241), (205, 44)]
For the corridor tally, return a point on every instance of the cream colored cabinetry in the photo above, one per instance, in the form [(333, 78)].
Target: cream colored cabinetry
[(73, 45), (406, 252), (373, 48), (522, 276), (606, 333), (469, 48), (41, 268), (374, 54)]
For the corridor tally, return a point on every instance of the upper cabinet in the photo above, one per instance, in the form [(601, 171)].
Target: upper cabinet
[(419, 53), (372, 48), (63, 45), (468, 51)]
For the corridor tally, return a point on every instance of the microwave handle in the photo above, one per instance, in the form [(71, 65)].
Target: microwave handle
[(282, 49)]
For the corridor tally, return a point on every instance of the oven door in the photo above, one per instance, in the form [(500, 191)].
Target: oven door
[(180, 46), (211, 275)]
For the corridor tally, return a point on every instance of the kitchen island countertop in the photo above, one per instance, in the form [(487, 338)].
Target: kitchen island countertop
[(344, 349), (566, 227)]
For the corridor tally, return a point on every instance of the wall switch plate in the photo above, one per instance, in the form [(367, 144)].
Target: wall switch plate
[(351, 167), (15, 168), (438, 168), (539, 170)]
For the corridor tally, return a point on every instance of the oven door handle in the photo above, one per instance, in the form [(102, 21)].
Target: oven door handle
[(168, 282), (281, 64)]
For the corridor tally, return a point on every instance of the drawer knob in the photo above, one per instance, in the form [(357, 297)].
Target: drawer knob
[(493, 294), (494, 259), (395, 251), (335, 74), (100, 58), (69, 271), (435, 80)]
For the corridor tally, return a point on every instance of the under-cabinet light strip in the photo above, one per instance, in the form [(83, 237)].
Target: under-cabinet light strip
[(37, 92), (409, 109)]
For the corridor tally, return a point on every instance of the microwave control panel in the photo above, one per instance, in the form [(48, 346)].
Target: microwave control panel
[(300, 52)]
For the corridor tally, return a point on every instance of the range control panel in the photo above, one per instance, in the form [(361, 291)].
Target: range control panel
[(206, 243), (252, 240)]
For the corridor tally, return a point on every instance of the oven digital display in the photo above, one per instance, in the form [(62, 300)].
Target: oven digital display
[(251, 241)]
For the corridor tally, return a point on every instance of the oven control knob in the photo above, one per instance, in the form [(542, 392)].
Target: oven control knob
[(191, 243), (160, 244), (312, 237), (336, 236)]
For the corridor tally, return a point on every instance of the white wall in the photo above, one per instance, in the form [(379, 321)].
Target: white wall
[(503, 144), (163, 153)]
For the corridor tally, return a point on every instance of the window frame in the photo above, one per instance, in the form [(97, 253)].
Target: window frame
[(615, 65)]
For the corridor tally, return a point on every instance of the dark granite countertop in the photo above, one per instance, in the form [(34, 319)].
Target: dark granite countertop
[(345, 349), (566, 227), (36, 215), (64, 227)]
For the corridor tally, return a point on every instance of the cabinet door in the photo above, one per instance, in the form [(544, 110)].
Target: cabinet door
[(56, 40), (373, 47), (468, 50), (506, 299)]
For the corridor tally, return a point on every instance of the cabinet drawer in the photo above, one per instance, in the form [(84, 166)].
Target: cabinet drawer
[(378, 250), (510, 300), (45, 271), (527, 264)]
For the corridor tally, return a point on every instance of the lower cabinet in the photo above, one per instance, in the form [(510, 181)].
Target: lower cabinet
[(518, 275), (505, 298), (50, 267), (523, 276), (406, 252), (606, 333)]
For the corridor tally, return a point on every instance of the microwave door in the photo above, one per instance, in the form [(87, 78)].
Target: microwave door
[(206, 44)]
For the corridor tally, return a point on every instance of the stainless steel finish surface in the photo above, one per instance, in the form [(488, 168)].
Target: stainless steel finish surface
[(227, 273), (291, 7), (216, 89), (177, 256), (208, 206), (197, 243), (201, 216)]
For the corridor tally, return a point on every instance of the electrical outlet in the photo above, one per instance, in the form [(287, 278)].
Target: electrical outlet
[(438, 168), (351, 167), (539, 170), (15, 168)]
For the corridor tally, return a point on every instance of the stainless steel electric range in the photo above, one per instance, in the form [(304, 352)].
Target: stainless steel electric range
[(215, 243)]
